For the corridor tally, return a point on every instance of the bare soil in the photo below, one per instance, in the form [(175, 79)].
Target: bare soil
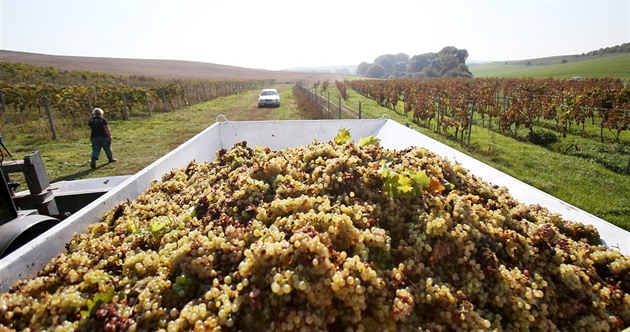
[(163, 69)]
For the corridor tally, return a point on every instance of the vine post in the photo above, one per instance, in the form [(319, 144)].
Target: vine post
[(470, 123), (51, 121), (164, 100), (321, 101), (196, 88), (90, 105), (339, 107), (328, 99), (146, 98), (439, 108), (125, 110), (4, 107), (186, 98)]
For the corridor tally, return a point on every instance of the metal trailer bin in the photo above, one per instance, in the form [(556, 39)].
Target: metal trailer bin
[(30, 258)]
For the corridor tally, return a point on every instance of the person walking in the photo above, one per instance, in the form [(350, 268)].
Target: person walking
[(101, 137)]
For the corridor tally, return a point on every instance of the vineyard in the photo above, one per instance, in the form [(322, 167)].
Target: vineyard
[(540, 111), (510, 104), (47, 102), (453, 104)]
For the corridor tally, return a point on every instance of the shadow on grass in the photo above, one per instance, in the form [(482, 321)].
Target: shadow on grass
[(79, 175)]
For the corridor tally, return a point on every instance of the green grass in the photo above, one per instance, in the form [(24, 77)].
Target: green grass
[(578, 181), (588, 142), (139, 142), (615, 66)]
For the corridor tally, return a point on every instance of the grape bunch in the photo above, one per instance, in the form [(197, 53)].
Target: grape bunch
[(337, 236)]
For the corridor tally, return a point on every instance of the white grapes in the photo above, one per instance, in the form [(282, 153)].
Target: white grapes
[(308, 239)]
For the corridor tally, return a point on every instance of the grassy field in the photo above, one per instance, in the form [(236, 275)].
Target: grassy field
[(617, 66), (137, 143)]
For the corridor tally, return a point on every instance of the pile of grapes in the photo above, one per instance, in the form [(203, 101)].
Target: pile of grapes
[(337, 236)]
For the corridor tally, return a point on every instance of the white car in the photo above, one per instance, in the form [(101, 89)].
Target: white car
[(269, 97)]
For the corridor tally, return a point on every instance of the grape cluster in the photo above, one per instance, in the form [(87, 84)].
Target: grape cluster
[(306, 239)]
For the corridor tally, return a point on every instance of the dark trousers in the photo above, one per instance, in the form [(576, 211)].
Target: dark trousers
[(99, 143)]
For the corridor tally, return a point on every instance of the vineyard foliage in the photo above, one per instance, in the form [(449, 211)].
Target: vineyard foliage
[(67, 97), (509, 103)]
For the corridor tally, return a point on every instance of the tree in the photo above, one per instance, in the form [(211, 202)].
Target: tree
[(462, 55), (450, 62), (431, 71), (401, 57), (418, 62), (376, 71), (387, 62), (363, 68), (400, 69), (460, 71)]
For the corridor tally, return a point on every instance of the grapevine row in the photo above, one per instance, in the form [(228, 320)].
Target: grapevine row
[(27, 91), (512, 103), (12, 72)]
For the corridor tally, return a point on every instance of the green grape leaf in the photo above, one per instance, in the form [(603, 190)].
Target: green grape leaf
[(449, 186), (96, 301), (369, 140), (405, 186), (132, 227), (157, 226), (390, 184), (158, 229), (343, 136), (420, 178), (387, 157)]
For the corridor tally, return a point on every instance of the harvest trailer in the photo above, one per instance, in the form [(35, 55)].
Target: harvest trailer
[(26, 214), (276, 135)]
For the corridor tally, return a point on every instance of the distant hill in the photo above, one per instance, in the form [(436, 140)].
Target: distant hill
[(164, 69), (343, 70), (616, 65)]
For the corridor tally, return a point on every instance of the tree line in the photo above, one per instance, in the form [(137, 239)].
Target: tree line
[(623, 48), (448, 62)]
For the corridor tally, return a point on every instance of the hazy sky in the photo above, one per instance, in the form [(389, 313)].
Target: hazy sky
[(284, 34)]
